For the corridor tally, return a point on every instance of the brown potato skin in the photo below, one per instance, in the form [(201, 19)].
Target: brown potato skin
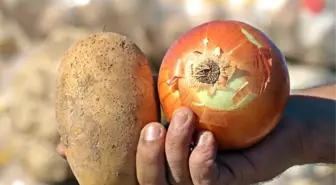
[(105, 95)]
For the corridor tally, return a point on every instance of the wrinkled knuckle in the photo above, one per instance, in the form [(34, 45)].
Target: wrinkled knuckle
[(174, 163), (172, 144), (203, 159), (205, 151)]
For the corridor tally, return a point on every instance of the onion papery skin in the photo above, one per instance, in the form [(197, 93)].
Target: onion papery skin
[(232, 76)]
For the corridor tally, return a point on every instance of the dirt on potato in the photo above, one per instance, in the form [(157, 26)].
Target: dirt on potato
[(105, 95)]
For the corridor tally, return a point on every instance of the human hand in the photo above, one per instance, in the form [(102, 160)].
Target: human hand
[(167, 155), (304, 135)]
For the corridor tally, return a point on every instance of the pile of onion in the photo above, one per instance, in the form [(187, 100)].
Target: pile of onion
[(232, 76)]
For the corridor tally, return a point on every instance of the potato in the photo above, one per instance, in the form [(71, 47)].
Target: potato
[(105, 94)]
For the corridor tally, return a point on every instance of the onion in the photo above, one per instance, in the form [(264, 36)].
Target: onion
[(232, 76)]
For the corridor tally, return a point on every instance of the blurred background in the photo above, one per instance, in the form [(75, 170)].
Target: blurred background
[(34, 34)]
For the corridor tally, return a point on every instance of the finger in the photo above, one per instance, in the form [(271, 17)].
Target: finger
[(150, 159), (177, 146), (202, 162), (61, 150)]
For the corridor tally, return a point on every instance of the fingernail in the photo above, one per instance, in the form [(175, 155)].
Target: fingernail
[(204, 138), (152, 133), (180, 117)]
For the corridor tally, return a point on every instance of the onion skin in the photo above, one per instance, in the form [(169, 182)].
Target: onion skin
[(240, 104)]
